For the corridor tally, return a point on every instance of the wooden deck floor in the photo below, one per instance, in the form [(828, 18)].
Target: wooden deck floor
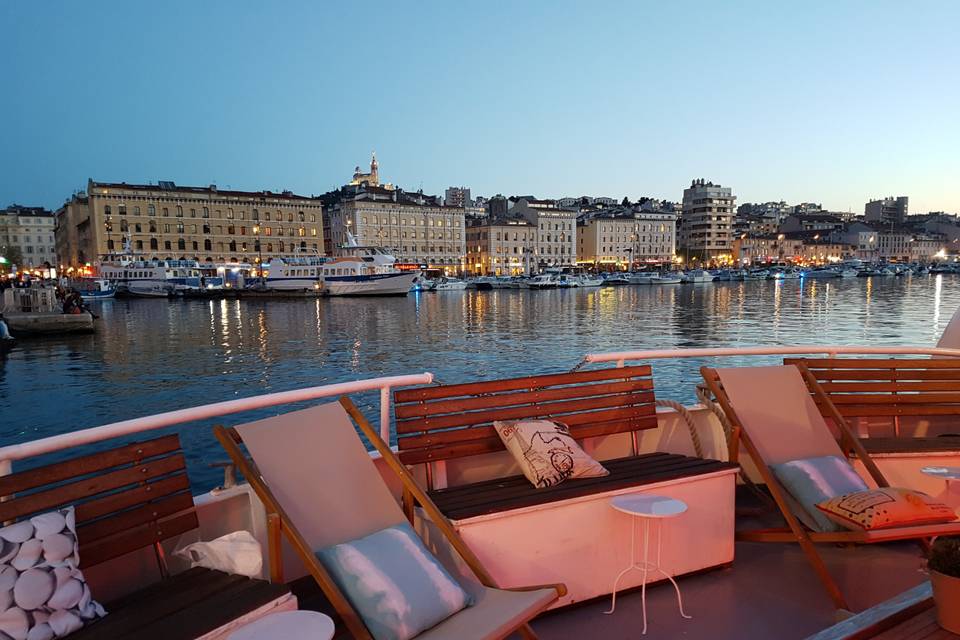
[(769, 592)]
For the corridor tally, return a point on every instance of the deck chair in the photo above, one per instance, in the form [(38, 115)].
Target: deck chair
[(774, 418), (320, 487)]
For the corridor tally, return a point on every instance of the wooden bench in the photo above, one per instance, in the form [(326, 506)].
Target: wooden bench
[(128, 499), (892, 391), (505, 517)]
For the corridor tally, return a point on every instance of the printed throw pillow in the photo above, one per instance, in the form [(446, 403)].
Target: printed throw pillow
[(396, 586), (546, 452), (884, 508), (42, 591), (813, 480)]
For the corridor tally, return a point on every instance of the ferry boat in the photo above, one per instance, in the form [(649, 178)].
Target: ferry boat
[(366, 271), (295, 272), (136, 276)]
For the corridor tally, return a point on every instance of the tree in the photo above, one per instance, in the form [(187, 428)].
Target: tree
[(13, 256), (626, 202)]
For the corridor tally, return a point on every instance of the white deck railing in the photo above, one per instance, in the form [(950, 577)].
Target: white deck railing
[(137, 425), (621, 357)]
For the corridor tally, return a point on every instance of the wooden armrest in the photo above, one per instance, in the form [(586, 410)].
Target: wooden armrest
[(560, 588)]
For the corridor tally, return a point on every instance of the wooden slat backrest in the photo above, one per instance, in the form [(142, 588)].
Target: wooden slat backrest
[(450, 421), (875, 387), (126, 498)]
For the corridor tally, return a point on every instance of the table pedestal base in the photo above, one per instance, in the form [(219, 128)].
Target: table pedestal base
[(646, 567)]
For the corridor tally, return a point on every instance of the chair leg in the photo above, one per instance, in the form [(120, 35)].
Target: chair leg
[(527, 632), (822, 572)]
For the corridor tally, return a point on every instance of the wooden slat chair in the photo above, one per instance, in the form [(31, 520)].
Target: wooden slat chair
[(127, 499), (440, 423), (774, 418), (320, 487), (889, 390)]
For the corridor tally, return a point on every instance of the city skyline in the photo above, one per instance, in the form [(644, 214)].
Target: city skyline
[(550, 100)]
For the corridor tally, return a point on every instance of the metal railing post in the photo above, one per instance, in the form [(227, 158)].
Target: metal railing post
[(385, 414)]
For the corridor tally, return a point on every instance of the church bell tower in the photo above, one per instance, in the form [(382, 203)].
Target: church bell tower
[(374, 167)]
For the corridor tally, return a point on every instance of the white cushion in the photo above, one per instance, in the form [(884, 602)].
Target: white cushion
[(43, 594), (546, 452)]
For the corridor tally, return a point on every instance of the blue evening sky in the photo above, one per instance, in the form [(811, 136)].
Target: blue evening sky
[(832, 102)]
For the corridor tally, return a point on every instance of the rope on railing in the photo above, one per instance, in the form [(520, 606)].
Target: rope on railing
[(688, 418), (703, 395), (578, 366)]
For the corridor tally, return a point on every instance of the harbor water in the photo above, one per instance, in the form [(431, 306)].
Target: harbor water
[(150, 356)]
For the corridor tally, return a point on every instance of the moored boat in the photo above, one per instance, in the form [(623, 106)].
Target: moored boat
[(449, 284), (93, 289), (696, 276)]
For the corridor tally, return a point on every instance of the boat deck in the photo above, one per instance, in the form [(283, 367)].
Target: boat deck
[(770, 591)]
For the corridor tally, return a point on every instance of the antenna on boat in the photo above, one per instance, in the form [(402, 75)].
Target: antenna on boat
[(351, 240)]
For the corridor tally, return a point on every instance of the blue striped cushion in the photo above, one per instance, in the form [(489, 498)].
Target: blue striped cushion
[(396, 586), (814, 480)]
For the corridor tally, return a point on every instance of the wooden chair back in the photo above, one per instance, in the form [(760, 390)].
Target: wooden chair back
[(451, 421), (126, 498), (875, 387)]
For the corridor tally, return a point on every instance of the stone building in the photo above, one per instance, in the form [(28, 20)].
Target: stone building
[(27, 237), (556, 240), (626, 238), (203, 223), (501, 247), (417, 229)]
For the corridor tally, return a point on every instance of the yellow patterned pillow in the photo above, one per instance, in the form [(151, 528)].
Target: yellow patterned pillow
[(885, 508)]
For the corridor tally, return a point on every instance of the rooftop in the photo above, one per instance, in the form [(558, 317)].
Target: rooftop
[(211, 191)]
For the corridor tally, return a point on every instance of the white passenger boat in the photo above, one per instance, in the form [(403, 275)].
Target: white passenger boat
[(588, 280), (640, 277), (367, 271), (149, 278), (296, 272)]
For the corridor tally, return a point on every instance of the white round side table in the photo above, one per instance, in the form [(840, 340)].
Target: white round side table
[(648, 508), (949, 474), (289, 625)]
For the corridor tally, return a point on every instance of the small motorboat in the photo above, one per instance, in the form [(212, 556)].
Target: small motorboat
[(616, 280), (696, 276), (449, 284), (669, 277), (94, 289)]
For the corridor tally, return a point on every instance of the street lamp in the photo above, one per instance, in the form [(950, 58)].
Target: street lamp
[(256, 233)]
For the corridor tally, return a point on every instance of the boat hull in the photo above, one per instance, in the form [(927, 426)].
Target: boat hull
[(27, 324), (388, 284), (93, 296)]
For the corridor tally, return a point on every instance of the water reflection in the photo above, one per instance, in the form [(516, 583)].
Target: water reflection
[(150, 356)]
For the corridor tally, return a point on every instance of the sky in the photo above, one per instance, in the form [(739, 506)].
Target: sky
[(831, 102)]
